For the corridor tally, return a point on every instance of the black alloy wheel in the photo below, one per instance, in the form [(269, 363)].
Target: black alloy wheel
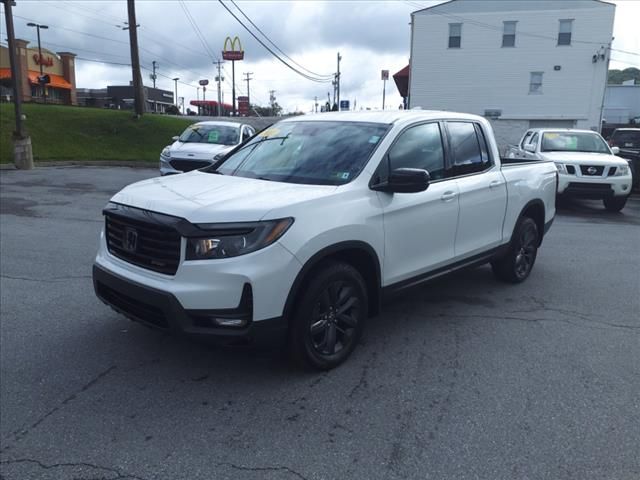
[(516, 265), (335, 318), (329, 317)]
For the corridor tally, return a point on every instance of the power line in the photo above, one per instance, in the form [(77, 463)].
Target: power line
[(329, 76), (302, 74), (625, 52), (195, 27), (103, 61)]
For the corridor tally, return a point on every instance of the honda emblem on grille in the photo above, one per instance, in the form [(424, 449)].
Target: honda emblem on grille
[(592, 170), (130, 240)]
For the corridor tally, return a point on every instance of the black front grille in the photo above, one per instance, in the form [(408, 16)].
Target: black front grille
[(590, 186), (612, 171), (129, 305), (155, 246), (186, 165), (571, 169), (592, 170)]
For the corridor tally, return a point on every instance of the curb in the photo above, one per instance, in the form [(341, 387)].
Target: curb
[(87, 163)]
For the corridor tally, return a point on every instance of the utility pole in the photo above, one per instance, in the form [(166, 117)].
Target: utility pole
[(338, 82), (272, 101), (154, 64), (219, 79), (135, 58), (247, 80), (315, 100), (22, 153)]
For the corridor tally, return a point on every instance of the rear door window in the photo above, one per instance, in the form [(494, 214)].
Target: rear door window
[(466, 150)]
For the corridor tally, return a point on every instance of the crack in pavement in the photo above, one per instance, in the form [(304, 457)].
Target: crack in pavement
[(20, 434), (46, 280), (120, 475), (603, 325), (262, 469)]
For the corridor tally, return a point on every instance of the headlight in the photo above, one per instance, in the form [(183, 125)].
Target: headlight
[(232, 240), (561, 168), (166, 153), (621, 171)]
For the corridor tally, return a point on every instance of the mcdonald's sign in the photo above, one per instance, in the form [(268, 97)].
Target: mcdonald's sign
[(229, 51)]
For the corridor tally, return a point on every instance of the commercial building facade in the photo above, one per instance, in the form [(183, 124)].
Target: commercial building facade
[(521, 64), (121, 97), (60, 67)]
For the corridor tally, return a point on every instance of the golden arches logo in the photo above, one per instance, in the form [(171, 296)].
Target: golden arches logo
[(231, 53)]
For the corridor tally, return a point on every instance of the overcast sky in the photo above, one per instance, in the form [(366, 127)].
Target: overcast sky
[(370, 35)]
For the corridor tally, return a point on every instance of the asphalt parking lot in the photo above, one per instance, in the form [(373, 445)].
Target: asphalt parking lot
[(466, 378)]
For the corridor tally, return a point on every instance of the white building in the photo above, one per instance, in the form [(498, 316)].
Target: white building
[(525, 63)]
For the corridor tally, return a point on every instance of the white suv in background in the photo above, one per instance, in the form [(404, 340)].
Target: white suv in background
[(300, 233), (588, 167), (201, 144)]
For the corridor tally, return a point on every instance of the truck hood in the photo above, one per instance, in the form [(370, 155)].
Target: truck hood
[(209, 198), (197, 151), (584, 158)]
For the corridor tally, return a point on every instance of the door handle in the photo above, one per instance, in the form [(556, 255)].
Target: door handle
[(495, 183), (447, 196)]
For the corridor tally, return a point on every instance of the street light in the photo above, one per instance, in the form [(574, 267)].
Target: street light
[(175, 80), (41, 79)]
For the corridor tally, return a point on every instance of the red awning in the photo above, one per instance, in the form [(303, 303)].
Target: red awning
[(56, 81), (402, 81), (211, 103)]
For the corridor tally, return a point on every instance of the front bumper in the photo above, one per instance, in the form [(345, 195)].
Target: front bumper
[(161, 309), (593, 187), (166, 168)]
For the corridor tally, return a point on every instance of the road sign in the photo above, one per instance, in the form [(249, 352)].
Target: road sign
[(344, 104), (204, 82), (384, 75)]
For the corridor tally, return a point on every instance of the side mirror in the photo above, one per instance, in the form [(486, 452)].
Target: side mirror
[(530, 148), (615, 150), (175, 138), (405, 180)]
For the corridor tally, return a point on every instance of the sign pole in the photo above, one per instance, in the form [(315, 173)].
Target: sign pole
[(384, 92)]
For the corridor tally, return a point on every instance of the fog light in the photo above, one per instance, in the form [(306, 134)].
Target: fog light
[(624, 187), (230, 322)]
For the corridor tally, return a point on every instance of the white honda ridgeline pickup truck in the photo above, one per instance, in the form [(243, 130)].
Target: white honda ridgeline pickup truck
[(301, 232), (587, 166)]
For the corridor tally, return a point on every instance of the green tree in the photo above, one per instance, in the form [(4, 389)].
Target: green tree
[(616, 77)]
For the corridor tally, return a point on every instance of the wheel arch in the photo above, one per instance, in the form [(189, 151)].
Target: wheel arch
[(534, 210), (358, 254)]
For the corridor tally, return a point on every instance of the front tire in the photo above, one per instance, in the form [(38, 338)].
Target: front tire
[(329, 317), (614, 204), (516, 265)]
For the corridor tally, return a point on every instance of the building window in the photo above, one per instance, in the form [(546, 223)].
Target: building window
[(564, 33), (455, 35), (509, 34), (535, 83)]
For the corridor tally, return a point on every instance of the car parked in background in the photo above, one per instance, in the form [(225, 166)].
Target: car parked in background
[(201, 144), (628, 141), (300, 233), (587, 166)]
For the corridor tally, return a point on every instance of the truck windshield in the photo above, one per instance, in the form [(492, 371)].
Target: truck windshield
[(218, 134), (573, 142), (309, 152)]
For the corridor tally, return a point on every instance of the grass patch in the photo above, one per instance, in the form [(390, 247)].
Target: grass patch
[(80, 133)]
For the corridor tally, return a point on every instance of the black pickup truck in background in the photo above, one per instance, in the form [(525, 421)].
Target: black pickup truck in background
[(628, 141)]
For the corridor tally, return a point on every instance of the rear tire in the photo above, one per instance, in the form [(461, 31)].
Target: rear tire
[(614, 204), (516, 265), (329, 317)]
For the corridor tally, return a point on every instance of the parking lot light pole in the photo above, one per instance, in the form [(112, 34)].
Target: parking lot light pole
[(42, 84), (175, 82)]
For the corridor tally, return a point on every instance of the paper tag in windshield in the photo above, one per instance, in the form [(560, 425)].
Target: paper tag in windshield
[(374, 138), (213, 136), (343, 175), (270, 132), (551, 136)]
